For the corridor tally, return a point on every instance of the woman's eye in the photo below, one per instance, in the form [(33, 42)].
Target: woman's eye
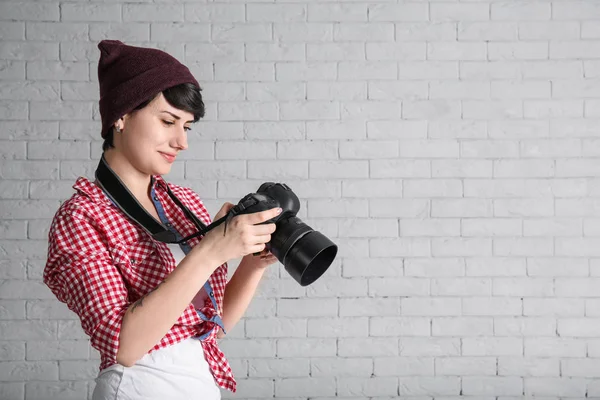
[(169, 123)]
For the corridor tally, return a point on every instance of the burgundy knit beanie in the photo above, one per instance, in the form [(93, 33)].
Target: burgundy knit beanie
[(130, 75)]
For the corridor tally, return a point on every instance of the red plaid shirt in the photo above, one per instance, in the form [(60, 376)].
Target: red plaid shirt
[(99, 263)]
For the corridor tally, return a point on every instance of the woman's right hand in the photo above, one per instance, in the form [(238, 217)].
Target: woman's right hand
[(244, 235)]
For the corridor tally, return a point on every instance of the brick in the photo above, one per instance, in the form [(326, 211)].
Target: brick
[(465, 366), (29, 11), (92, 12), (455, 247), (372, 386), (428, 70), (398, 12), (338, 327), (341, 366), (54, 390), (275, 327), (437, 386), (492, 346), (276, 52), (380, 110), (429, 227), (337, 12), (492, 385), (527, 366), (305, 387), (518, 11), (12, 30), (456, 51), (363, 347), (459, 90), (368, 70), (278, 368), (276, 12), (524, 326), (166, 32), (228, 32), (336, 91), (488, 31), (577, 10), (459, 12), (518, 51), (305, 71), (551, 30), (431, 31), (14, 70), (431, 109), (59, 31), (303, 32), (495, 69), (370, 32), (310, 347), (214, 12), (404, 90), (491, 306), (29, 51), (564, 387)]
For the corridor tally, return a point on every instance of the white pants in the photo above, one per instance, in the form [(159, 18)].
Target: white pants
[(177, 372)]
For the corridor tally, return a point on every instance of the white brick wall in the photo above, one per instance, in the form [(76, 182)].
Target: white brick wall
[(450, 147)]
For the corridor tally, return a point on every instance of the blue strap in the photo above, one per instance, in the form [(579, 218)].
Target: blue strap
[(186, 248)]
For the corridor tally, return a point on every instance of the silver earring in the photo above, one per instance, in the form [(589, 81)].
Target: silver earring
[(118, 129)]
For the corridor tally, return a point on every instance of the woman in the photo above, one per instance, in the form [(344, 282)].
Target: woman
[(153, 310)]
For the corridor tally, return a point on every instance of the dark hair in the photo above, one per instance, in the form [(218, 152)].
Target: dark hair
[(186, 97)]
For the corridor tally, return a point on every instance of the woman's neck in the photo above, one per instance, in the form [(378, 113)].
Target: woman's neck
[(137, 182)]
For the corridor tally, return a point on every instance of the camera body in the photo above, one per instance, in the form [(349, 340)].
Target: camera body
[(305, 253), (269, 195)]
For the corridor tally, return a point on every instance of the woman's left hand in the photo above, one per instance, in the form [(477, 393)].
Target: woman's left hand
[(261, 260)]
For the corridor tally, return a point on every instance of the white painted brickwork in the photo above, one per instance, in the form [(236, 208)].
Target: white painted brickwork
[(450, 147)]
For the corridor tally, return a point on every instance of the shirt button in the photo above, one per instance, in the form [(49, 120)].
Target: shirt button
[(212, 294), (168, 224), (132, 260), (156, 198)]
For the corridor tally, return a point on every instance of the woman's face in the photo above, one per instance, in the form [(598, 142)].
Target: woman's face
[(152, 137)]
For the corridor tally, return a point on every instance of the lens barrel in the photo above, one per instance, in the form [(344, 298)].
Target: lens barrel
[(305, 253)]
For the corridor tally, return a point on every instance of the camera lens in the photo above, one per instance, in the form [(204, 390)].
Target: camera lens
[(306, 254), (310, 257)]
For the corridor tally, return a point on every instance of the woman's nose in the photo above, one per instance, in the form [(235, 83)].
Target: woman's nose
[(181, 140)]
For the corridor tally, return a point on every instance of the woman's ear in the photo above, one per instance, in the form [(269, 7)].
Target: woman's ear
[(119, 125)]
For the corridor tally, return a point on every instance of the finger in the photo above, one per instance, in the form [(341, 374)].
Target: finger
[(265, 229), (260, 239), (224, 210), (262, 216), (256, 248)]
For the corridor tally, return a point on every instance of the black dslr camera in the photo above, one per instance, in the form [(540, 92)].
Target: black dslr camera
[(305, 253)]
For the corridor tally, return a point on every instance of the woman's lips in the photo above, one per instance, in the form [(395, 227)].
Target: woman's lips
[(169, 157)]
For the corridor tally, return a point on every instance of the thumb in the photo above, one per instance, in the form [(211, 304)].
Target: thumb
[(224, 210)]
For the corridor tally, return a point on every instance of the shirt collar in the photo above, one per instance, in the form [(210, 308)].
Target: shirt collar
[(94, 192), (159, 181)]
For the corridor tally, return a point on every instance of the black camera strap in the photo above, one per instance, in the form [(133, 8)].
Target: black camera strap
[(120, 195)]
